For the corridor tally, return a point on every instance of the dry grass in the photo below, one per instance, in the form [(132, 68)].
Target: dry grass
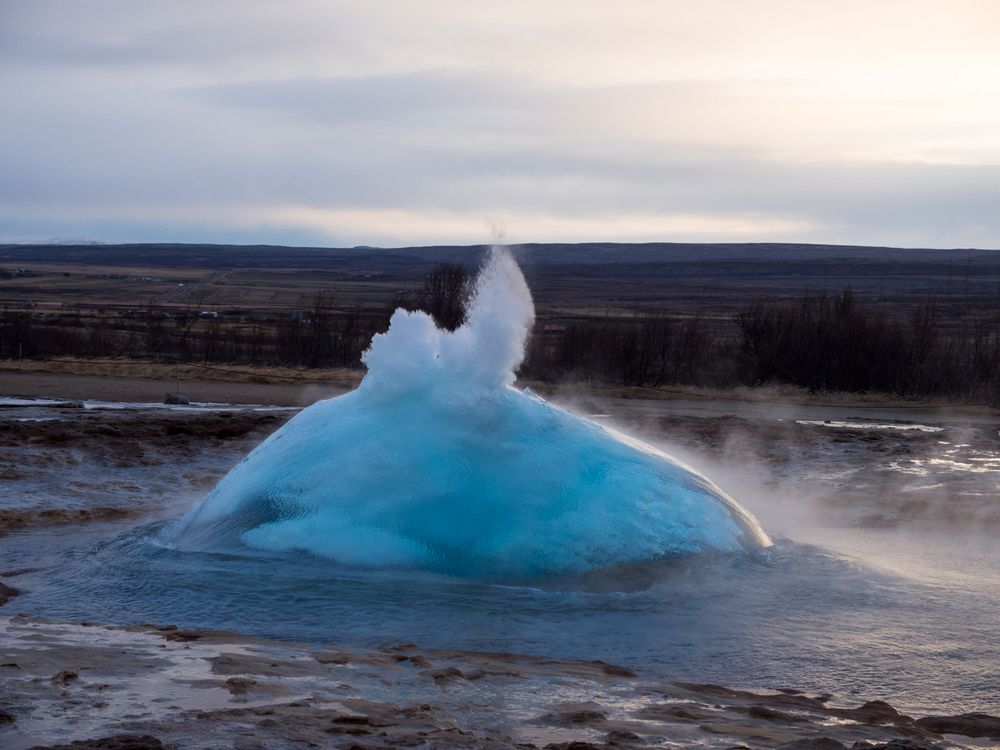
[(125, 368)]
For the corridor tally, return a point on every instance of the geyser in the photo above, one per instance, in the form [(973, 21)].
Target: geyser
[(437, 462)]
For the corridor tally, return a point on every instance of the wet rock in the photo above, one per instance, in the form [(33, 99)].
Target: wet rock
[(7, 593), (415, 660), (613, 670), (623, 737), (573, 714), (873, 712), (769, 714), (446, 675), (670, 712), (177, 398), (736, 697), (64, 678), (114, 742), (6, 718), (378, 714), (112, 433), (336, 658), (237, 664), (240, 685), (15, 519), (183, 635), (17, 572), (319, 713), (969, 725), (813, 743)]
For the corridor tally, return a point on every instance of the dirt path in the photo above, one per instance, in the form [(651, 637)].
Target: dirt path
[(102, 388), (66, 385), (170, 687)]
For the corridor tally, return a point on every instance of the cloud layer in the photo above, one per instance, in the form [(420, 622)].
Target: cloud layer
[(421, 122)]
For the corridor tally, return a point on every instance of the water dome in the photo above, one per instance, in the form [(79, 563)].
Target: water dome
[(437, 462)]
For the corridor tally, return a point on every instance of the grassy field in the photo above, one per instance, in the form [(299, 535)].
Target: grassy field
[(276, 314), (566, 280)]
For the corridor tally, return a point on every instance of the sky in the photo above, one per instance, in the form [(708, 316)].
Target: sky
[(309, 122)]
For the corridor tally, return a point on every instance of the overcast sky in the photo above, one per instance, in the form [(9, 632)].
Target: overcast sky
[(410, 122)]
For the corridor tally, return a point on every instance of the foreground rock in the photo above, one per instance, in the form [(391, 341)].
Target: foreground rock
[(970, 725), (69, 468), (115, 742), (7, 593), (84, 687)]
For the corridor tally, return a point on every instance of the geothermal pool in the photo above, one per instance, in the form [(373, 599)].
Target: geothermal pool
[(789, 616), (352, 524)]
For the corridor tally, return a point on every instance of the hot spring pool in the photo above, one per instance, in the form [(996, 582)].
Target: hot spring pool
[(789, 616)]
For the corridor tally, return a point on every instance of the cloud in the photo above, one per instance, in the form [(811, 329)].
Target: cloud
[(354, 123)]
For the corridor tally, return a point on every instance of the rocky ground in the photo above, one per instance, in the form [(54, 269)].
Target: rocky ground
[(70, 465), (864, 467), (152, 687), (87, 685), (872, 467)]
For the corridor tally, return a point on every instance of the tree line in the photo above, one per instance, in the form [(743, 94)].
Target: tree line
[(821, 342)]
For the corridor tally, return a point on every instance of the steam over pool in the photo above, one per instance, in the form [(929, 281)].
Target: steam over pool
[(437, 462)]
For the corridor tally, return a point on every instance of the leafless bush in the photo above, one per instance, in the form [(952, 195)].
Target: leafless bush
[(825, 342), (820, 341), (447, 289), (652, 350)]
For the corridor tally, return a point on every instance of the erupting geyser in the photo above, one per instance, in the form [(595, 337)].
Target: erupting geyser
[(437, 462)]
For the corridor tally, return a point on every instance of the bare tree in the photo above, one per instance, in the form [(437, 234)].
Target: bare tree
[(447, 289)]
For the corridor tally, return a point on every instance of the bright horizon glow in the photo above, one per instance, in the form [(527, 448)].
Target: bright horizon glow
[(345, 123)]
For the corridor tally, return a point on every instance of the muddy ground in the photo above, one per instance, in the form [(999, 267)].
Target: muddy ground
[(169, 687), (64, 466)]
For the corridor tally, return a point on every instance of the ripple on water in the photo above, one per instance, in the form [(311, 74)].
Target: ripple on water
[(791, 616)]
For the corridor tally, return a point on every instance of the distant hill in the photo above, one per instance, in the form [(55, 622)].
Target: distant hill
[(604, 253), (565, 279)]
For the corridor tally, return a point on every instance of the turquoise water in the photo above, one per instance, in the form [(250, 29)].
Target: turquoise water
[(504, 487)]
